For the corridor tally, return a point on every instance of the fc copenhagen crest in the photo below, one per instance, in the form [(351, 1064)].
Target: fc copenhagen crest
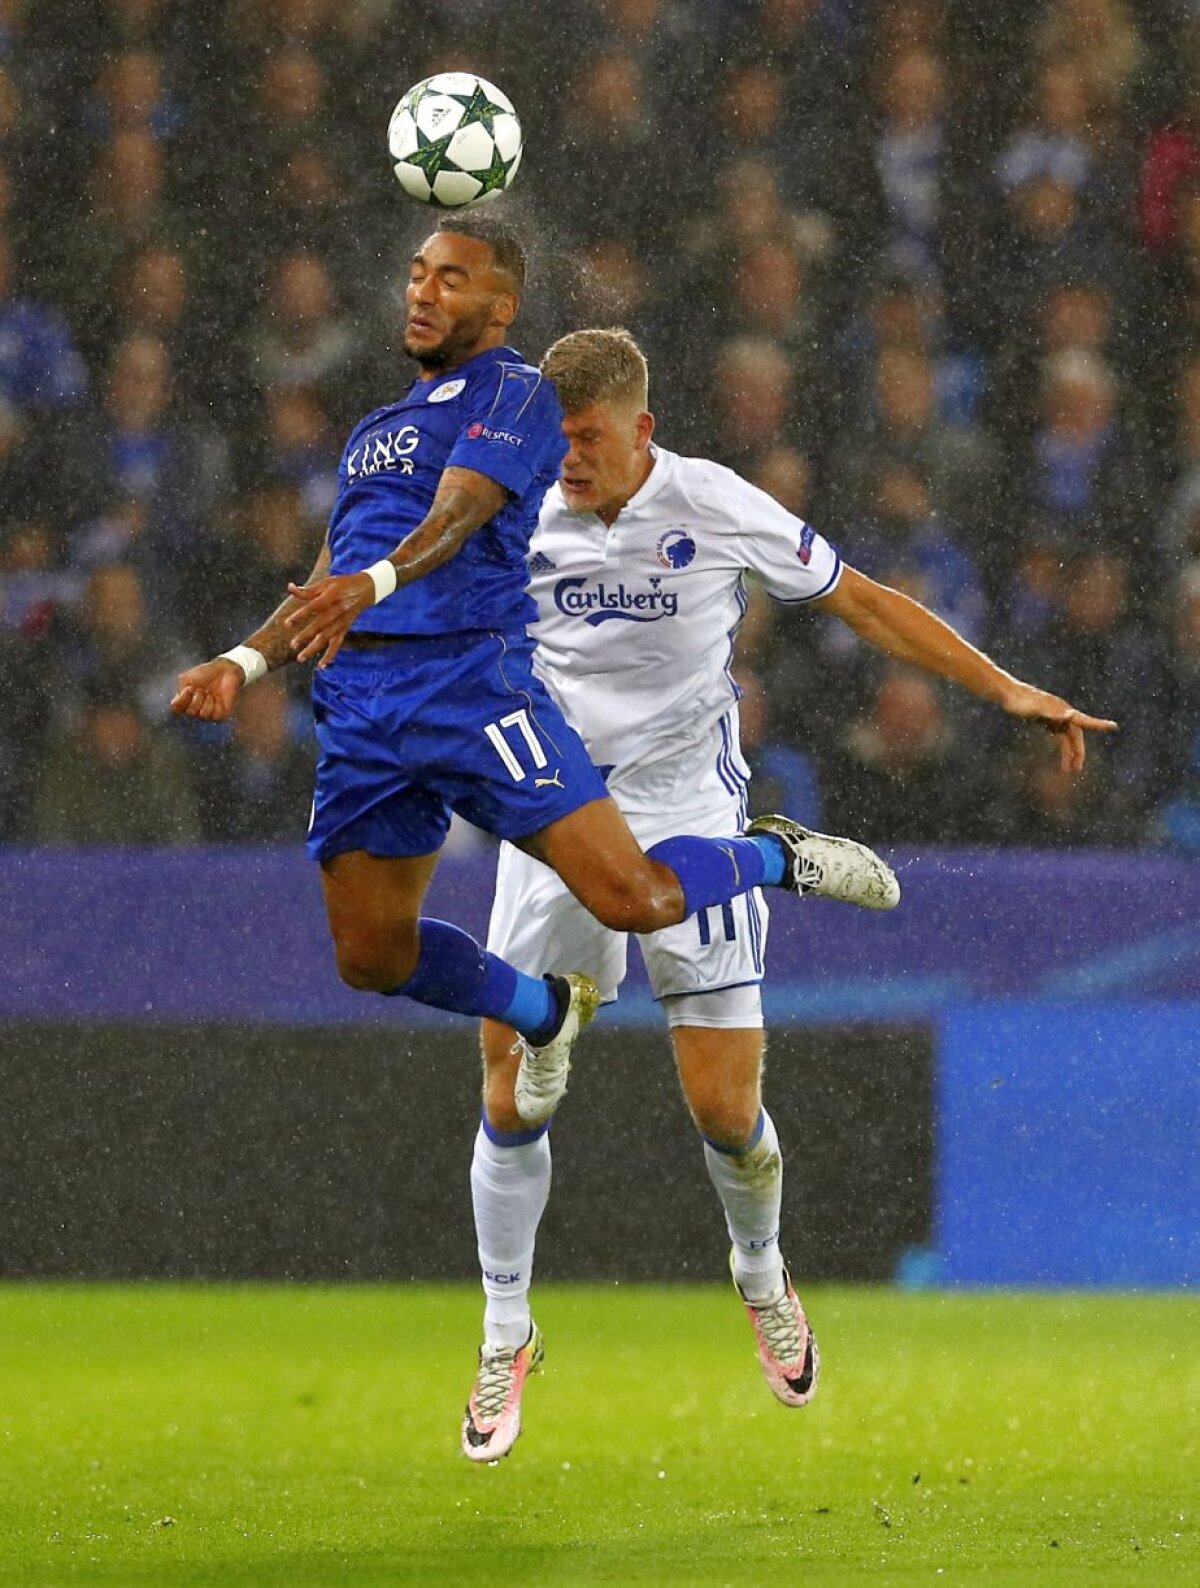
[(676, 548)]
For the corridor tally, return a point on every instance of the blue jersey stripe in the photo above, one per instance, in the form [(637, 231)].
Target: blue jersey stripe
[(756, 940), (743, 602), (795, 601), (726, 769)]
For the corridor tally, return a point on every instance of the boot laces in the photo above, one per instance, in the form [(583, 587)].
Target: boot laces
[(807, 873), (541, 1072), (780, 1325), (494, 1380)]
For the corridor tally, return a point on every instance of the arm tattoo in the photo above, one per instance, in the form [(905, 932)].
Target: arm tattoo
[(465, 501), (272, 639)]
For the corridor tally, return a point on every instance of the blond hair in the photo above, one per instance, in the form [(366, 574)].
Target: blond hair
[(597, 366)]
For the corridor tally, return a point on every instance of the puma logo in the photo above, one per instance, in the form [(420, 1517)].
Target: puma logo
[(548, 782), (733, 860)]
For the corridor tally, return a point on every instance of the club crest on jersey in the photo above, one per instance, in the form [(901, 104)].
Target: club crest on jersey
[(676, 548), (607, 602), (804, 549), (448, 389)]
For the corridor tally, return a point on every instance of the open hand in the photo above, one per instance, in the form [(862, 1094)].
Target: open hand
[(327, 610), (1057, 716)]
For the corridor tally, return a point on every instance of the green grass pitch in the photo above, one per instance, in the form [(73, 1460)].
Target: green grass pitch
[(309, 1435)]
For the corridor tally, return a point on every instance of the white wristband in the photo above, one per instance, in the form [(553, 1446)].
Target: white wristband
[(383, 576), (253, 663)]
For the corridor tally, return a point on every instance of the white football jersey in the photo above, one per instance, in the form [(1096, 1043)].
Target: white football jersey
[(636, 623)]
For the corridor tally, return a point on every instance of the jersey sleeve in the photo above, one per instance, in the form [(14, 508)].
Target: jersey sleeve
[(511, 430), (787, 556)]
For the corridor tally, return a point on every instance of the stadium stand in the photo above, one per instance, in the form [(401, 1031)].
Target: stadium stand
[(933, 268)]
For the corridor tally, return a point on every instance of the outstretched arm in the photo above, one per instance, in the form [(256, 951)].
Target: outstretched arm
[(902, 627), (210, 691), (323, 610)]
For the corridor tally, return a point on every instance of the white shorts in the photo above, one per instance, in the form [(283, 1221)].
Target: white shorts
[(705, 971)]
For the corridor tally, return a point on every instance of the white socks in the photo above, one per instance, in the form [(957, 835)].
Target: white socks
[(509, 1190), (510, 1187), (750, 1186)]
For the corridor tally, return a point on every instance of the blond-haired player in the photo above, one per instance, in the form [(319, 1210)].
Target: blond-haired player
[(638, 567)]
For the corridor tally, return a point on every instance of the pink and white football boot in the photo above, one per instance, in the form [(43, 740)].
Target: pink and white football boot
[(493, 1416), (787, 1347)]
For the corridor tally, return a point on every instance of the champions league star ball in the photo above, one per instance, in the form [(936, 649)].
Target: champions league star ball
[(454, 140)]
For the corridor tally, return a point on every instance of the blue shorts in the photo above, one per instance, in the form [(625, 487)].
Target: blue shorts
[(410, 731)]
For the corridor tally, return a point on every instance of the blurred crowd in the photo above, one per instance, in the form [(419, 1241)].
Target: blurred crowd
[(928, 271)]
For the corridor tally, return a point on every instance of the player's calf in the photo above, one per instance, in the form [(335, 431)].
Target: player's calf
[(502, 1050)]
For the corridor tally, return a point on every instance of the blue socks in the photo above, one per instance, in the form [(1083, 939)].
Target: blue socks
[(455, 972), (775, 858), (715, 870), (533, 1009)]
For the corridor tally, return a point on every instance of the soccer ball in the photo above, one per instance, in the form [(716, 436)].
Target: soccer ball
[(454, 140)]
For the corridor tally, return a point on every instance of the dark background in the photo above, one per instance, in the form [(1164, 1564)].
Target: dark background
[(236, 1153), (926, 270)]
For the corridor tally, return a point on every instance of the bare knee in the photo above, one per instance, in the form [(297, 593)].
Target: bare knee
[(372, 905), (720, 1071), (723, 1094), (373, 961), (600, 860), (728, 1121), (641, 901)]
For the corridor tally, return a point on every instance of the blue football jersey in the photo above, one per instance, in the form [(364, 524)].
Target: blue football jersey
[(495, 414)]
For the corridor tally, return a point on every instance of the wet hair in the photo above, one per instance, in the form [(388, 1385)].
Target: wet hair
[(597, 366), (508, 252)]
